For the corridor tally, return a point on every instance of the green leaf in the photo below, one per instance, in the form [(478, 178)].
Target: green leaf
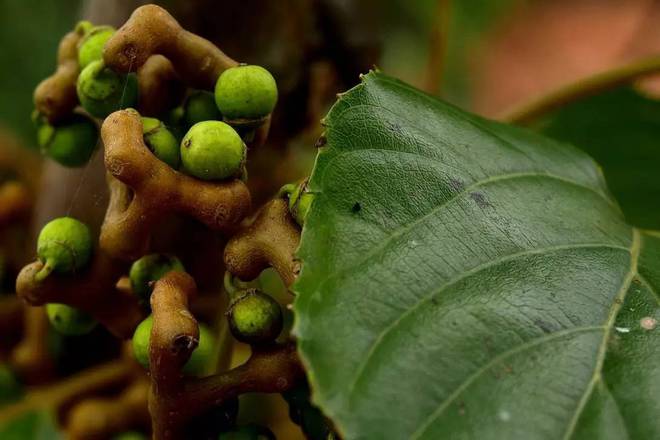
[(621, 130), (34, 425), (466, 279)]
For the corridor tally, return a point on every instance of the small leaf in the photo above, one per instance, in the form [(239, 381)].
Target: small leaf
[(487, 286), (621, 130)]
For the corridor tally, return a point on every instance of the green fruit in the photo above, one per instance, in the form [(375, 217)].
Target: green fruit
[(101, 91), (141, 338), (200, 106), (71, 144), (64, 245), (212, 150), (300, 201), (248, 432), (161, 142), (150, 268), (199, 358), (254, 317), (69, 320), (10, 388), (90, 47), (130, 435), (245, 92)]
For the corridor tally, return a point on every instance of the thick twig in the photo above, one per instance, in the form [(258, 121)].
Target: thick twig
[(531, 111), (159, 85), (55, 97), (271, 240), (85, 383), (31, 357), (158, 189), (102, 417), (152, 30), (174, 399), (92, 290)]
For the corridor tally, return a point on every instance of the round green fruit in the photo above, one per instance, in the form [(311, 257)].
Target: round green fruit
[(200, 106), (300, 201), (161, 142), (91, 45), (199, 358), (245, 92), (248, 432), (64, 245), (71, 144), (212, 150), (141, 338), (69, 320), (150, 268), (101, 91), (254, 317)]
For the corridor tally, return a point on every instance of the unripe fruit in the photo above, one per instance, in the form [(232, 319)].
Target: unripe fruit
[(161, 142), (69, 320), (245, 92), (200, 106), (212, 150), (101, 91), (198, 360), (91, 45), (300, 201), (248, 432), (10, 388), (150, 268), (254, 317), (64, 245), (71, 144)]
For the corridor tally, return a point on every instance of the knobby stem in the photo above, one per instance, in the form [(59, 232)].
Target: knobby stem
[(531, 111)]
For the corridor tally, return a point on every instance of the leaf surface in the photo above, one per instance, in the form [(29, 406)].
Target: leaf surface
[(465, 279)]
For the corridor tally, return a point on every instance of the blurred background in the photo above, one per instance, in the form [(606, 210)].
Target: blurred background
[(484, 55)]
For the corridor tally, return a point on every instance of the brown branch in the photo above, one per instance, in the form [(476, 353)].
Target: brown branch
[(82, 384), (175, 400), (31, 357), (271, 240), (159, 85), (15, 203), (55, 97), (528, 112), (92, 290), (152, 30), (103, 417), (157, 190)]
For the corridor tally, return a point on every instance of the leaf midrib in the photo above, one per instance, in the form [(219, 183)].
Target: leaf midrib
[(602, 351)]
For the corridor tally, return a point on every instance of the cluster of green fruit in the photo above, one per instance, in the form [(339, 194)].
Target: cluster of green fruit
[(210, 150), (65, 246)]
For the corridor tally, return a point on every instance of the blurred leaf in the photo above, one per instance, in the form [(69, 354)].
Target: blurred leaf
[(30, 31), (621, 130), (35, 425), (467, 279)]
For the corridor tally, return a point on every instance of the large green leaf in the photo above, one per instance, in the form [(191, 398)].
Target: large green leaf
[(621, 130), (465, 279)]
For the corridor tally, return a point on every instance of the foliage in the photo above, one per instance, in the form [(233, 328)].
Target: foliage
[(481, 282)]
